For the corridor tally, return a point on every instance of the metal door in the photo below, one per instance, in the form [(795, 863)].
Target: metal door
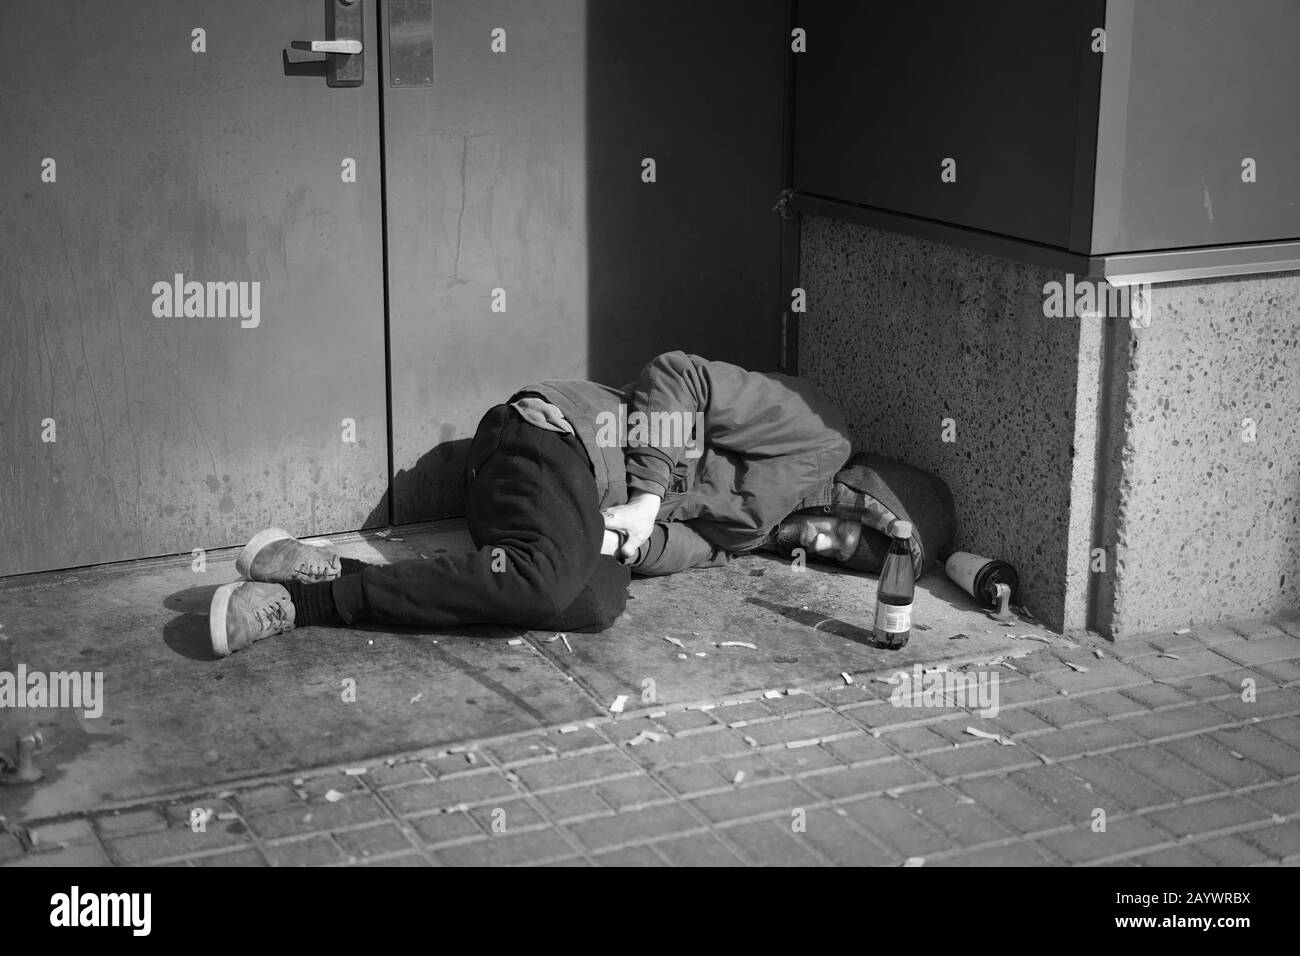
[(150, 145)]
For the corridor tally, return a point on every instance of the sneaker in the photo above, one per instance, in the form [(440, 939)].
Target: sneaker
[(246, 611), (276, 555)]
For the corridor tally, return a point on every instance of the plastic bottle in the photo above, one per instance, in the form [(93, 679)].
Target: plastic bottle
[(893, 626)]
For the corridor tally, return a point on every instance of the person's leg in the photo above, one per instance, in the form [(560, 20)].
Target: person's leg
[(533, 515), (599, 603)]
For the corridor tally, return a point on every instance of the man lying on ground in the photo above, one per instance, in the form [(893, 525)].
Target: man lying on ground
[(572, 486)]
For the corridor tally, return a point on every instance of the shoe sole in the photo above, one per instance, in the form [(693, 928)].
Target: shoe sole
[(244, 562), (217, 619)]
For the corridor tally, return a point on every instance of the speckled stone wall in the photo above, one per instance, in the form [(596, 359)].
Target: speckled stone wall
[(905, 333), (1208, 525)]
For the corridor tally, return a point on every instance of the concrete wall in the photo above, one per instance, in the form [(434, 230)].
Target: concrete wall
[(1207, 526), (904, 333)]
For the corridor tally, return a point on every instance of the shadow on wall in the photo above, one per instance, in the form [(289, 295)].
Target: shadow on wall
[(691, 260), (443, 463)]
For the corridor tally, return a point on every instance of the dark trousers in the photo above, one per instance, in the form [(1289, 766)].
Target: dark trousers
[(534, 516)]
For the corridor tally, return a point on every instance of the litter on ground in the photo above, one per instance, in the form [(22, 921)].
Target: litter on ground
[(985, 735), (617, 706)]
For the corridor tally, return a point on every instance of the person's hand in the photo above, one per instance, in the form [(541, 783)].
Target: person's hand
[(636, 520)]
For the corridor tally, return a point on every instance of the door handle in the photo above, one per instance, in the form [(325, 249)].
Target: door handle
[(345, 63), (350, 47)]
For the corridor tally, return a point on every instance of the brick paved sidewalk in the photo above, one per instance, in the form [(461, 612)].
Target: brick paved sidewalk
[(1154, 753)]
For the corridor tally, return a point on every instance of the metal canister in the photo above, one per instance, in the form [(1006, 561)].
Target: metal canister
[(979, 576)]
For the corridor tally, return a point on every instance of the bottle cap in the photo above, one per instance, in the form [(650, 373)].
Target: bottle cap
[(901, 529)]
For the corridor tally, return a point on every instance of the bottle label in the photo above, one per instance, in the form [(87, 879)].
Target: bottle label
[(893, 618)]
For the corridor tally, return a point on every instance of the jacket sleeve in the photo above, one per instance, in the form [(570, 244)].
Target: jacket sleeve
[(672, 384), (675, 546), (754, 415)]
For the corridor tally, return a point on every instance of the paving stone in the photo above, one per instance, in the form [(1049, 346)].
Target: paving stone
[(687, 720), (1100, 675), (584, 738), (308, 818), (153, 846), (67, 832), (1285, 672), (531, 847), (1160, 724), (897, 826), (792, 704), (783, 795), (1017, 721), (451, 792), (1085, 739), (522, 749), (1062, 712), (979, 757), (437, 828), (636, 826), (1111, 704), (1215, 761), (755, 766), (1120, 836), (1266, 749), (836, 839), (853, 750), (1208, 816), (705, 745), (701, 850), (1124, 787), (1058, 790), (574, 802), (1278, 841), (1207, 687), (384, 776), (748, 711), (134, 821), (807, 759), (689, 779), (406, 859), (1189, 663), (1013, 854), (1231, 851), (80, 855), (1151, 696), (965, 824), (1165, 770), (258, 800), (1132, 650), (630, 856), (313, 851), (1268, 703), (911, 740), (631, 792), (848, 695), (770, 843), (801, 728), (246, 856), (10, 848), (506, 816), (1180, 856), (1260, 630), (1283, 799), (1261, 651), (372, 841), (867, 778)]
